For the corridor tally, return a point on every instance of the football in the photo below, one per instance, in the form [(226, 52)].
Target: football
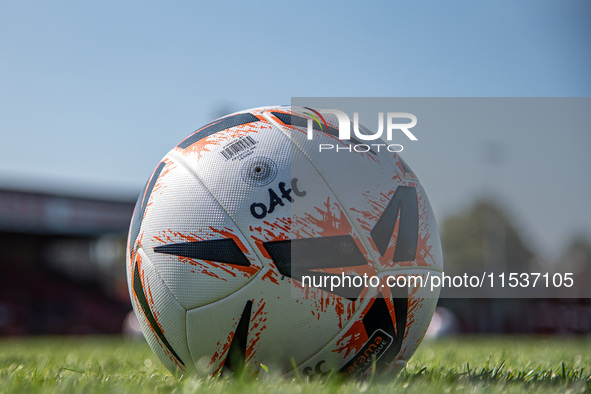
[(252, 249)]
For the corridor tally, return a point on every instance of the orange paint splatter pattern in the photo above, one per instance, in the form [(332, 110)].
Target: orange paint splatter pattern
[(212, 142), (330, 220), (368, 218), (258, 324), (277, 230), (157, 189), (160, 185), (222, 348), (327, 220), (415, 304), (354, 338)]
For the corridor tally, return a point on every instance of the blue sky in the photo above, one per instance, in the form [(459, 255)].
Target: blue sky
[(92, 94)]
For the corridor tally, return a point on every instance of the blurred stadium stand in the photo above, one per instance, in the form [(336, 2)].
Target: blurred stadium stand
[(62, 267)]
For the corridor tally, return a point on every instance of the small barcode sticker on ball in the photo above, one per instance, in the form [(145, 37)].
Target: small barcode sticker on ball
[(239, 149)]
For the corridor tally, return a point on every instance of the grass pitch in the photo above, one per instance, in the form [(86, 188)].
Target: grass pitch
[(462, 364)]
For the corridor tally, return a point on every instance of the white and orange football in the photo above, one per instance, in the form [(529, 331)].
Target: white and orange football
[(244, 228)]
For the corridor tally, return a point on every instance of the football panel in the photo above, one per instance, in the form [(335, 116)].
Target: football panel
[(194, 245), (161, 317), (277, 327), (276, 227)]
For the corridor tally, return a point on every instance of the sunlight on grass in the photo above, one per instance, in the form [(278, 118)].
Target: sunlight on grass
[(488, 363)]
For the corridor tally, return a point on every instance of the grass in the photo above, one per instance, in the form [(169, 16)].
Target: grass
[(463, 364)]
